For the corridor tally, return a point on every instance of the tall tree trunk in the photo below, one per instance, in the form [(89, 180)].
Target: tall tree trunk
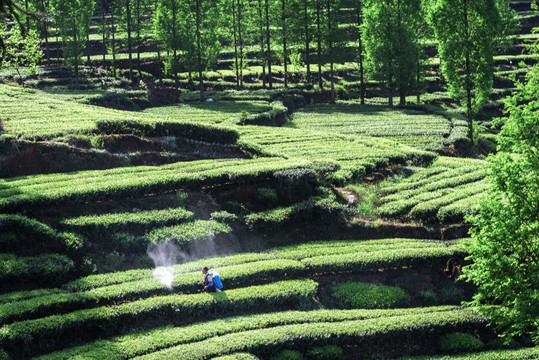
[(330, 43), (159, 66), (319, 36), (268, 43), (285, 53), (360, 53), (139, 39), (199, 50), (401, 84), (240, 38), (129, 42), (235, 44), (46, 34), (261, 23), (418, 79), (467, 72), (175, 55), (113, 43), (307, 40), (104, 34)]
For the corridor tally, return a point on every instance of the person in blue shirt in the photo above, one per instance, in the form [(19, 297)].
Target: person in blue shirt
[(209, 285)]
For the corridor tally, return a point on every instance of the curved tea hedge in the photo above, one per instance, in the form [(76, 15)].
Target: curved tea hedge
[(49, 333), (303, 336), (242, 270), (144, 342)]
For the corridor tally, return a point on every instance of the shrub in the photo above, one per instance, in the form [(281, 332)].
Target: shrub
[(459, 342), (35, 336), (368, 296), (288, 355), (328, 352), (224, 217)]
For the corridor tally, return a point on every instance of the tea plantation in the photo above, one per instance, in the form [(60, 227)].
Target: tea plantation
[(263, 147)]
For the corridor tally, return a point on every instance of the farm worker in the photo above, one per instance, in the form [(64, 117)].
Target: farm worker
[(209, 285)]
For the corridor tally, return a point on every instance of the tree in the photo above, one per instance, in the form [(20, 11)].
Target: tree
[(203, 14), (390, 43), (23, 53), (505, 240), (9, 10), (360, 48), (466, 31), (73, 19), (170, 29)]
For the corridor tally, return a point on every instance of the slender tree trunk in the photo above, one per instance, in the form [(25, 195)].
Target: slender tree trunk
[(235, 44), (402, 85), (360, 53), (319, 35), (113, 43), (240, 38), (104, 35), (467, 73), (159, 66), (330, 43), (285, 53), (129, 42), (307, 40), (268, 43), (175, 54), (260, 17), (139, 39), (77, 54), (199, 50), (418, 79)]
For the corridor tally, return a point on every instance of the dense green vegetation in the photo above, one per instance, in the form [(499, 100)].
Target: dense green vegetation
[(141, 141)]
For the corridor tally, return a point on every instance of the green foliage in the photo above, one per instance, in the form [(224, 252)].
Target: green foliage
[(459, 342), (505, 246), (369, 331), (23, 53), (466, 31), (328, 352), (188, 233), (43, 334), (146, 342), (391, 45), (446, 191), (369, 296), (99, 225), (512, 354), (115, 183), (410, 127), (288, 355), (73, 19), (44, 269)]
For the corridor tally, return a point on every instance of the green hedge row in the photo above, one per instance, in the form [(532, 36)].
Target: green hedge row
[(97, 225), (81, 186), (44, 269), (506, 354), (368, 332), (382, 259), (300, 262), (188, 233), (293, 252), (36, 336), (203, 132), (236, 276), (131, 345), (33, 237), (274, 218), (236, 356)]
